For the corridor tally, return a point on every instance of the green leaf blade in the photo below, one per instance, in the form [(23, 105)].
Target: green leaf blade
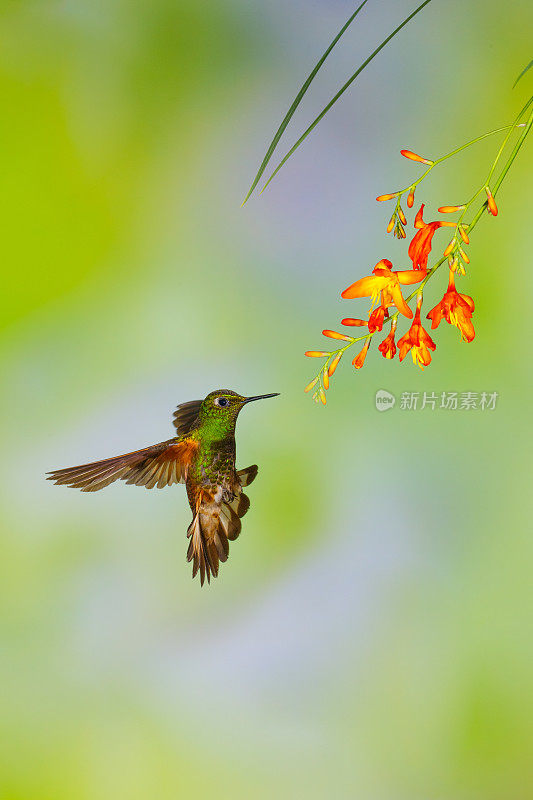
[(528, 67), (343, 89), (297, 100)]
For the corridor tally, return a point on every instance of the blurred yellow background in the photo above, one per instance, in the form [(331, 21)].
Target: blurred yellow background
[(370, 636)]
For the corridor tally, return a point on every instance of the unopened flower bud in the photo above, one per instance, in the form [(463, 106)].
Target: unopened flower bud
[(449, 209), (414, 157), (336, 335), (386, 196), (334, 364), (491, 203)]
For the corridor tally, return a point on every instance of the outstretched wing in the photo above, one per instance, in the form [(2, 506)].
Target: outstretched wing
[(215, 524), (159, 465)]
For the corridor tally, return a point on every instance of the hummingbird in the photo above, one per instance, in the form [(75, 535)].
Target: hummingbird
[(202, 456)]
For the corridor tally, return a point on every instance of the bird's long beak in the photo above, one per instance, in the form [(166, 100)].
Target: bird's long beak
[(260, 397)]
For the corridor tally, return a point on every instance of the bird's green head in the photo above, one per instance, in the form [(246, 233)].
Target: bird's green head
[(220, 409)]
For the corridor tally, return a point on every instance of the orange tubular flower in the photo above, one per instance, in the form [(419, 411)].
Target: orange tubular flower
[(376, 319), (360, 323), (456, 309), (385, 281), (420, 246), (417, 340), (387, 348)]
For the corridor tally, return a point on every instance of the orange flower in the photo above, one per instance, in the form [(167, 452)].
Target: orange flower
[(420, 246), (376, 318), (359, 360), (360, 323), (387, 348), (456, 309), (385, 281), (417, 340)]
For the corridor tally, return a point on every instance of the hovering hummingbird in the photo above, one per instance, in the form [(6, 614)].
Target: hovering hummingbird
[(202, 456)]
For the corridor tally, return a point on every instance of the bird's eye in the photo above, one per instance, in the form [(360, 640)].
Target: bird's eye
[(222, 402)]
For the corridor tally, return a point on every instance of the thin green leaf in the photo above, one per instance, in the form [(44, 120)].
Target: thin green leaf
[(525, 107), (343, 89), (523, 72), (514, 152), (297, 100)]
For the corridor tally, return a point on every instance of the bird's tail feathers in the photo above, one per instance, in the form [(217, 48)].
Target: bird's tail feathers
[(213, 527), (248, 474)]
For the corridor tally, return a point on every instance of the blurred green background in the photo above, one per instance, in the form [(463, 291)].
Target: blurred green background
[(370, 636)]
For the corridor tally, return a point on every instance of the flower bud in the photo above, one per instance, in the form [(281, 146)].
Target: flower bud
[(464, 235), (334, 364), (386, 197), (335, 335), (491, 203), (449, 209), (464, 255), (359, 360), (414, 157)]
